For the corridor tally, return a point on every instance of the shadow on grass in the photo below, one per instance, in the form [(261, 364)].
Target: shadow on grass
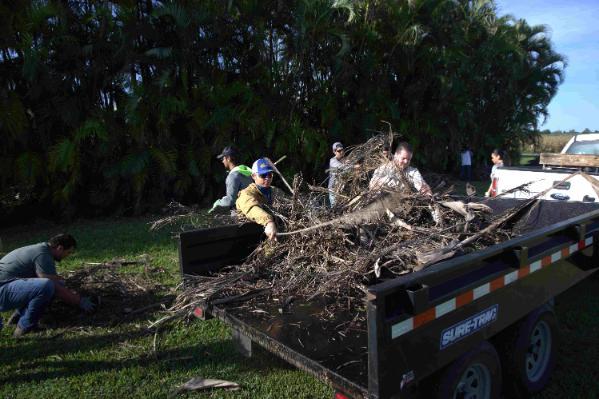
[(177, 359), (112, 312), (34, 347), (40, 358)]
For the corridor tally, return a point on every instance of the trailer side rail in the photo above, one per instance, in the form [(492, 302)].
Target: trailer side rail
[(424, 307)]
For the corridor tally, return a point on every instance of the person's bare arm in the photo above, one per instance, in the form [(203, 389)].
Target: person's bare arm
[(377, 180), (488, 192), (426, 189), (53, 277), (66, 295), (60, 291), (375, 183)]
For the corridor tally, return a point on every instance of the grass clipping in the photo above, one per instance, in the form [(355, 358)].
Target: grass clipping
[(366, 238)]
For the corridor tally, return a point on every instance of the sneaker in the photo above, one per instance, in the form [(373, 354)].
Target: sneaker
[(19, 332), (14, 318)]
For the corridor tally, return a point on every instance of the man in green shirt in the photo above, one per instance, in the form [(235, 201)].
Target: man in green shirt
[(29, 282)]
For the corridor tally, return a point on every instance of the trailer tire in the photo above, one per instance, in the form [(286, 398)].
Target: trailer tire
[(529, 353), (476, 373)]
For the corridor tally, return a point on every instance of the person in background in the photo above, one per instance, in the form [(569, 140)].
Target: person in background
[(497, 157), (29, 282), (388, 175), (334, 164), (466, 159), (238, 178), (252, 200)]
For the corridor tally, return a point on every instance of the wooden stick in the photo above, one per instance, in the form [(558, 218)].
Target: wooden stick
[(280, 159), (114, 263), (140, 310), (282, 177), (237, 298)]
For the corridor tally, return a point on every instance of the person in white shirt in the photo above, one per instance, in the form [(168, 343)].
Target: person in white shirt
[(334, 164), (389, 175), (466, 169), (497, 157)]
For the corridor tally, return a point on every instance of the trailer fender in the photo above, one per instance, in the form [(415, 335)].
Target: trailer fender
[(477, 373), (529, 352)]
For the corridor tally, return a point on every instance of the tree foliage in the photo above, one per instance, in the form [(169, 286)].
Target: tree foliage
[(118, 106)]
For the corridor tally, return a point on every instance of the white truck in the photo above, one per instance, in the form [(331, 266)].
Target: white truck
[(580, 154)]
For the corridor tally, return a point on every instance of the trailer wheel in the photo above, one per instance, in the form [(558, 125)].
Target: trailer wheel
[(474, 375), (530, 353)]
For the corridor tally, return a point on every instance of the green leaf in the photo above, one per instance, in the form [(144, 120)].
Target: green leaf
[(92, 128), (345, 43), (62, 156), (166, 160), (28, 167), (192, 165), (134, 164), (348, 5), (12, 116), (160, 53), (175, 11)]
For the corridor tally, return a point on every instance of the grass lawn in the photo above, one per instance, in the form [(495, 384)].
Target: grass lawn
[(119, 361), (84, 359)]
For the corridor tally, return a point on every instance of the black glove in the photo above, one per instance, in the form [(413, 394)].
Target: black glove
[(86, 304)]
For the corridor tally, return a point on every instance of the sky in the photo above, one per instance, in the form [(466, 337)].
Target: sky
[(574, 28)]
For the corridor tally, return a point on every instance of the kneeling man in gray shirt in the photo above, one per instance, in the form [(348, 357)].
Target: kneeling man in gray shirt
[(29, 282)]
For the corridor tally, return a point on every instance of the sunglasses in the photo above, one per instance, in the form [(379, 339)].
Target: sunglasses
[(339, 150), (265, 175)]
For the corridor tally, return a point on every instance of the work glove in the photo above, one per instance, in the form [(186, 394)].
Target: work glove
[(86, 304), (214, 206)]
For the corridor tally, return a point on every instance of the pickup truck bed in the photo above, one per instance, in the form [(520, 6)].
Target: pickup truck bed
[(575, 189)]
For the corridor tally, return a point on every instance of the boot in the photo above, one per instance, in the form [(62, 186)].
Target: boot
[(14, 318), (19, 332)]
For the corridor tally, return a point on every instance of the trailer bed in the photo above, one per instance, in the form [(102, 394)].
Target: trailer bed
[(305, 339), (356, 351)]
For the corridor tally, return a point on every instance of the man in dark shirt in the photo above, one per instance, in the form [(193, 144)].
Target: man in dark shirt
[(238, 178), (29, 281)]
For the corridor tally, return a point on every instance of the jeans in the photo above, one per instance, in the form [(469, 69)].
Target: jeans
[(466, 172), (29, 296)]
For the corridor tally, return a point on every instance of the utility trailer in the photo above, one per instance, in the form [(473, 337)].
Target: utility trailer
[(455, 329)]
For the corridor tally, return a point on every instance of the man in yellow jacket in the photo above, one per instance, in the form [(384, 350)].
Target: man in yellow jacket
[(252, 199)]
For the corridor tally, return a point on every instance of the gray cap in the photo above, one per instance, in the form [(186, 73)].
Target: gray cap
[(336, 145)]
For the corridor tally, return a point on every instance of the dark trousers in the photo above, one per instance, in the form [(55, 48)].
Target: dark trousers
[(466, 172)]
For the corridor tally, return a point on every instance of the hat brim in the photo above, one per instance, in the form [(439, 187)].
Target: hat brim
[(220, 156)]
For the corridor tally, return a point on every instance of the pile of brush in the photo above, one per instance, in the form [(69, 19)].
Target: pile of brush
[(120, 294), (365, 238)]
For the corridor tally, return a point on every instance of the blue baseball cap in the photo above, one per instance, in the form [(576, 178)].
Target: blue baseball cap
[(262, 166)]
